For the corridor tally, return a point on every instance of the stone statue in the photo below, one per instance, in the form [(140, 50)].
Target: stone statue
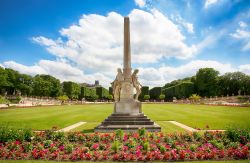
[(117, 84), (136, 83)]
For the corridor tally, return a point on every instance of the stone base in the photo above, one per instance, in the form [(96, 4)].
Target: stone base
[(127, 107), (127, 122)]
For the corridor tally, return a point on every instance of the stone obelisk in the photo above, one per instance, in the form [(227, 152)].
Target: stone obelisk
[(126, 94), (127, 113)]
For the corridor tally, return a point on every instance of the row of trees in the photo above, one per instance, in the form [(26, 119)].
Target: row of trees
[(207, 82), (12, 82)]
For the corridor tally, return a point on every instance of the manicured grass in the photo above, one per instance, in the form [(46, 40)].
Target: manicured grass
[(37, 161), (196, 116)]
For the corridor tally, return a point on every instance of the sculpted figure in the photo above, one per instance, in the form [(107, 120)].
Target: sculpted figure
[(116, 84), (136, 83)]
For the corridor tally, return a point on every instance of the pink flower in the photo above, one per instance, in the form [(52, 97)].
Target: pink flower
[(95, 146)]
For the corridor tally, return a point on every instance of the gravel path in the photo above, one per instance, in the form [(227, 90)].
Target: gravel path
[(67, 129)]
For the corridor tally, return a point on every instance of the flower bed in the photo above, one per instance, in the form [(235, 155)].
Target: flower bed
[(119, 146)]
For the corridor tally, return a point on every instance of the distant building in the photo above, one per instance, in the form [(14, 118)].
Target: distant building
[(91, 85)]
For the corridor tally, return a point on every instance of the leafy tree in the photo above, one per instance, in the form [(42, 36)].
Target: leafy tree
[(231, 83), (110, 97), (144, 91), (206, 81), (71, 89), (63, 98), (46, 85), (195, 97), (146, 97), (162, 97), (3, 80)]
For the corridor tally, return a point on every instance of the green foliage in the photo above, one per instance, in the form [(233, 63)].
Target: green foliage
[(11, 134), (195, 97), (110, 97), (119, 134), (3, 100), (115, 146), (71, 89), (182, 90), (162, 97), (146, 146), (102, 93), (146, 97), (63, 98), (46, 85), (238, 135), (155, 93), (88, 93), (144, 91), (206, 82), (142, 132), (231, 83)]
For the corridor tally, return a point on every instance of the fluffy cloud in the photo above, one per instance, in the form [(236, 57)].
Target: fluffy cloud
[(245, 68), (159, 76), (96, 42), (208, 3), (140, 3), (59, 69), (186, 25), (243, 35), (149, 76)]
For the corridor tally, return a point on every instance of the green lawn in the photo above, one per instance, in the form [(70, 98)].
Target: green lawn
[(196, 116)]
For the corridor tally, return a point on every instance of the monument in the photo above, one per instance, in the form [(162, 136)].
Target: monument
[(127, 113)]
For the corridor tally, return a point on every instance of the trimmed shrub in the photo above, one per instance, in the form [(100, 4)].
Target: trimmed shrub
[(102, 93), (183, 90), (155, 93), (144, 91)]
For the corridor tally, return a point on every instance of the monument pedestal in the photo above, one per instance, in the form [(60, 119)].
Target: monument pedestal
[(127, 111), (127, 107), (127, 122)]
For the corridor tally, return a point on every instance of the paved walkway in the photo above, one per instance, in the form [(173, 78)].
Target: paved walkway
[(67, 129), (183, 126), (190, 129)]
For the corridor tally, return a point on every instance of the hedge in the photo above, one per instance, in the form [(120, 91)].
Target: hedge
[(102, 92), (88, 93), (155, 93), (183, 90), (144, 91)]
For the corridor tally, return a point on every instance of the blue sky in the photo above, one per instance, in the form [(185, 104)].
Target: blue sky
[(81, 40)]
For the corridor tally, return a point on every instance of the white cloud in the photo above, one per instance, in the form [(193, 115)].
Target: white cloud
[(96, 42), (140, 3), (59, 69), (149, 76), (242, 24), (1, 65), (244, 36), (32, 70), (159, 76), (245, 68), (188, 26), (208, 3)]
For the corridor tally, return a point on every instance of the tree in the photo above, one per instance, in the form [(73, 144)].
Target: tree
[(63, 98), (3, 80), (231, 83), (146, 97), (71, 89), (162, 97), (206, 81), (46, 85), (194, 97)]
